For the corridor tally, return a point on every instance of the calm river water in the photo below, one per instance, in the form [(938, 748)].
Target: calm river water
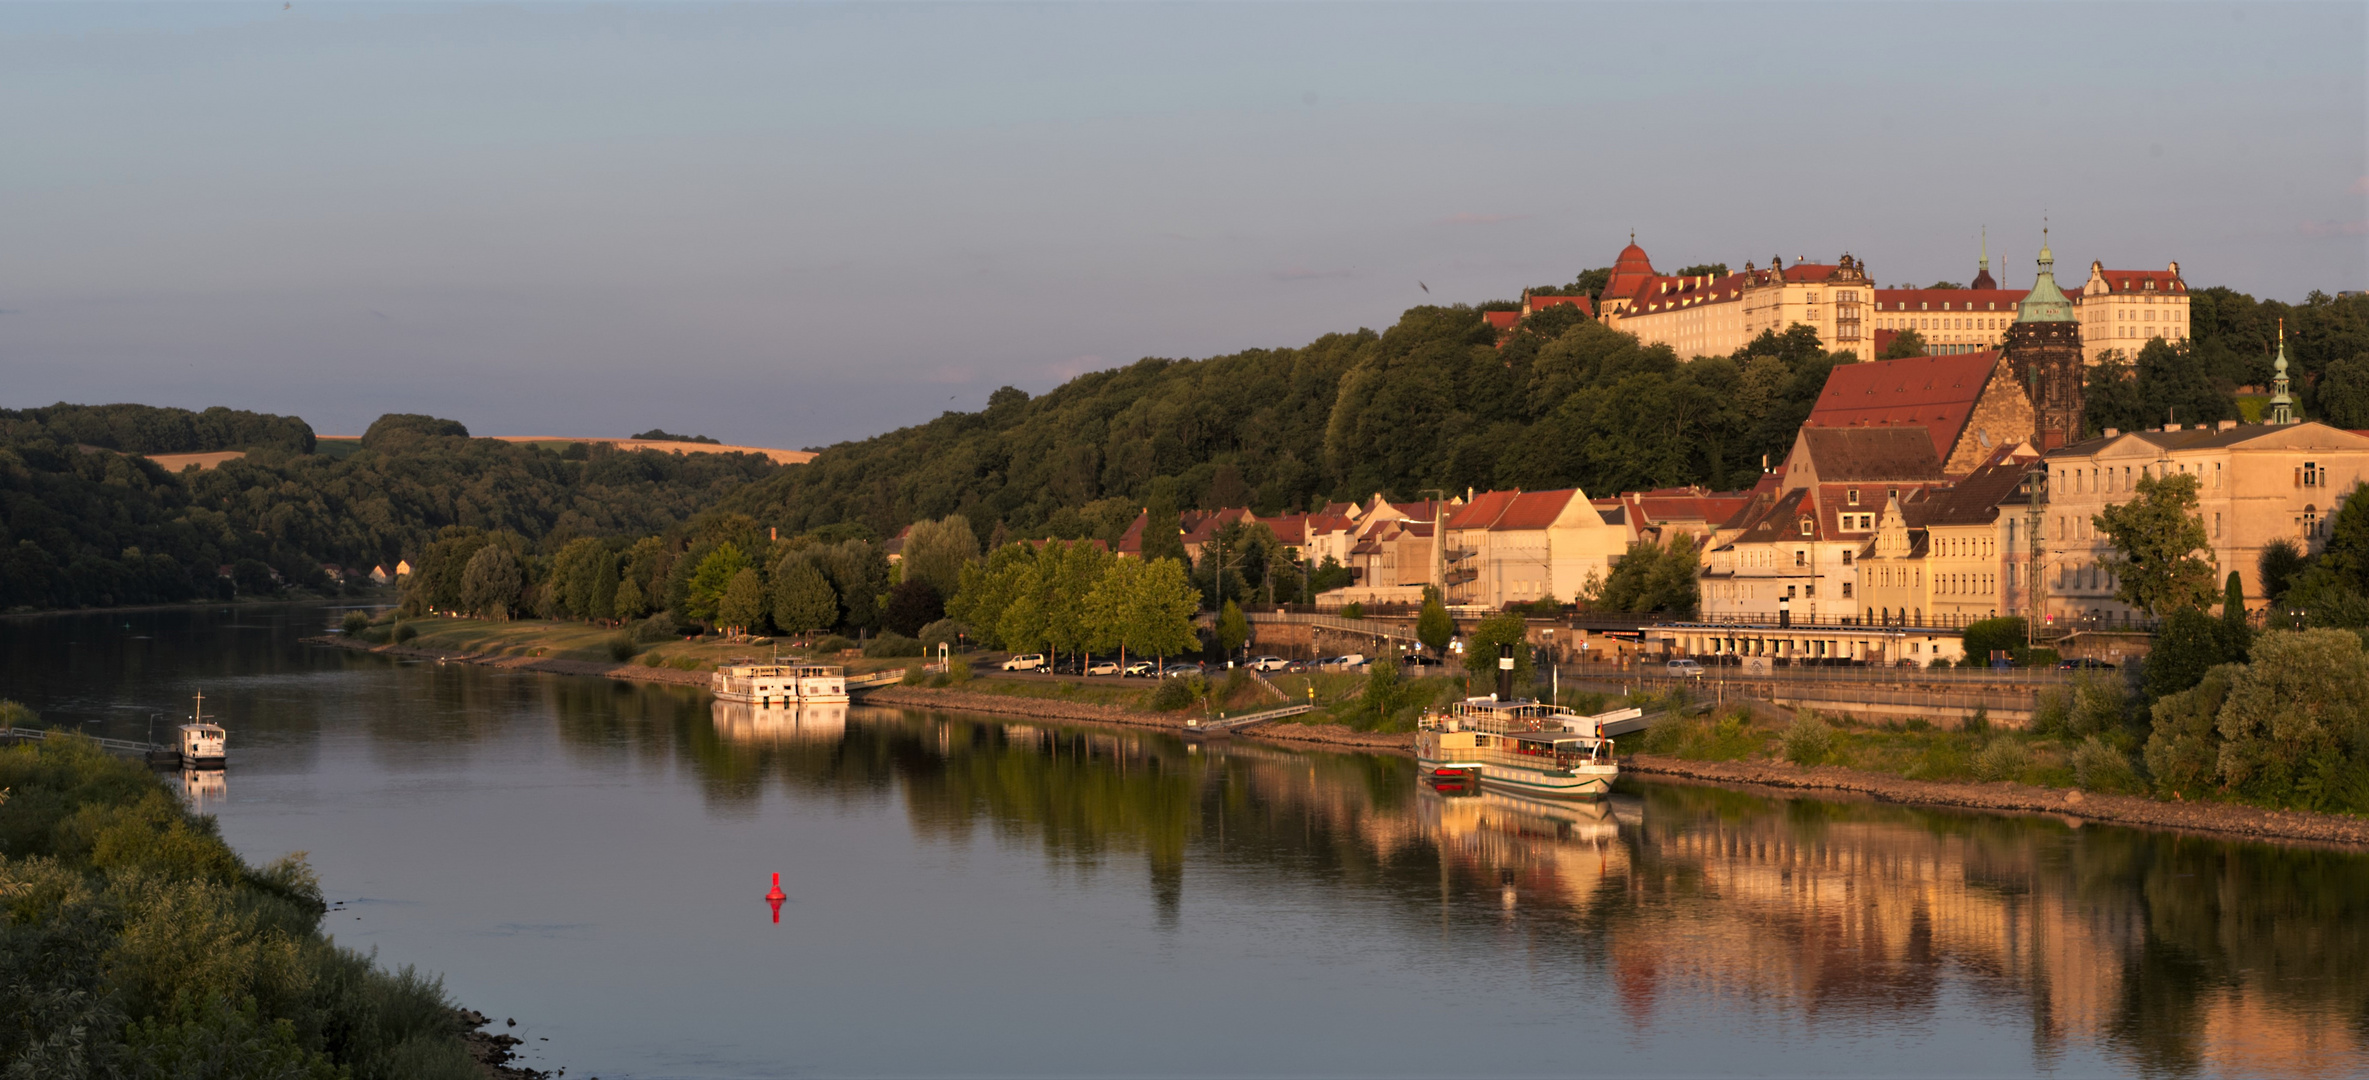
[(978, 896)]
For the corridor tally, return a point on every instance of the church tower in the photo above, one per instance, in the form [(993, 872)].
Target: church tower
[(1982, 270), (2044, 351)]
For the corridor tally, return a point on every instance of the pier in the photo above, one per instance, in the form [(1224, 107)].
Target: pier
[(152, 753)]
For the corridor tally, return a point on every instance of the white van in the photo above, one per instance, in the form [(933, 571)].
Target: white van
[(1685, 667), (1025, 662)]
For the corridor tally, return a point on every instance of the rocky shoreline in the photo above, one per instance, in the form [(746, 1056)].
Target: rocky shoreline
[(2203, 818)]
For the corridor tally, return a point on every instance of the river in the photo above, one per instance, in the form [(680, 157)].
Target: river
[(978, 896)]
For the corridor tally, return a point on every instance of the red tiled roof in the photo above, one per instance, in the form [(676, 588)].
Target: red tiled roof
[(2131, 281), (1535, 303), (1291, 529), (1934, 392), (1535, 509), (1989, 301), (1501, 321), (1670, 293), (1874, 454), (1631, 270), (1483, 511)]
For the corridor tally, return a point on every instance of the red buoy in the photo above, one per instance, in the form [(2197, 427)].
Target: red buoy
[(775, 896)]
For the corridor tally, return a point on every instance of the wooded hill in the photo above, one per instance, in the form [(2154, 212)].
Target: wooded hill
[(82, 524), (1433, 402)]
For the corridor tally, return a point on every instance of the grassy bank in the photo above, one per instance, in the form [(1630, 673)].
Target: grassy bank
[(137, 944), (569, 640)]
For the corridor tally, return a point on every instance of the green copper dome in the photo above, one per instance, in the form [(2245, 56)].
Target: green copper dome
[(2046, 302)]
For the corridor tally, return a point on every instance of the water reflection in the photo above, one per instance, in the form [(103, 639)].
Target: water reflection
[(204, 789), (1689, 914)]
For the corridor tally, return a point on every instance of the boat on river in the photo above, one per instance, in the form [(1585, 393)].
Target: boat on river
[(202, 744), (781, 684), (1528, 747)]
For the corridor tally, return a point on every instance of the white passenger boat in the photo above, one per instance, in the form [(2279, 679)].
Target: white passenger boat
[(781, 684), (202, 744), (1527, 747)]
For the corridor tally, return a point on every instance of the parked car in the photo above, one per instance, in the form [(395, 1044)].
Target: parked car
[(1420, 661), (1141, 669), (1348, 662), (1025, 662), (1268, 663), (1103, 667), (1069, 665), (2079, 663), (1178, 671), (1297, 667), (1685, 667)]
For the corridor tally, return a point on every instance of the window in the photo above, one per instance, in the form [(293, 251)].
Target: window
[(1847, 557), (1853, 496), (2310, 475), (1800, 557), (2216, 526), (1846, 590), (2311, 522)]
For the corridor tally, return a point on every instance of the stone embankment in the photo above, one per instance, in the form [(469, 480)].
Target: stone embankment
[(2213, 818)]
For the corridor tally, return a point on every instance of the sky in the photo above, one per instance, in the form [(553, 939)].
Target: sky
[(796, 224)]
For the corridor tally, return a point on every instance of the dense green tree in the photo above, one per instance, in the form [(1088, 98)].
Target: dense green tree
[(709, 578), (2280, 563), (1480, 650), (1161, 538), (1717, 270), (912, 604), (2347, 552), (742, 608), (2003, 634), (802, 596), (1329, 575), (937, 551), (491, 583), (2289, 728), (2190, 644), (1433, 627), (2174, 384), (2110, 397), (1652, 578), (2237, 629), (629, 602), (2341, 395), (2158, 539), (1905, 344), (1232, 628)]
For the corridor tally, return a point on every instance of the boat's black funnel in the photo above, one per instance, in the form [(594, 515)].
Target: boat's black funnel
[(1505, 672)]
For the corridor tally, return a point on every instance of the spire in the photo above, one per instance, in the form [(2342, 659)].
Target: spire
[(2282, 406), (2046, 302), (1982, 272)]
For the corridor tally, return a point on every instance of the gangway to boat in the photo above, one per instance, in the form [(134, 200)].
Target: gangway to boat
[(152, 753), (1215, 724), (875, 680)]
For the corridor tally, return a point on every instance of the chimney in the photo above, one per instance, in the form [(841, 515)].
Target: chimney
[(2112, 432), (2228, 425)]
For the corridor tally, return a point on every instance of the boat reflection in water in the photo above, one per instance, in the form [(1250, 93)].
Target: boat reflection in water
[(744, 722), (203, 786), (1541, 848)]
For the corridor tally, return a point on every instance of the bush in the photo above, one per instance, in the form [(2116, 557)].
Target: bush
[(1353, 611), (2098, 706), (622, 647), (685, 662), (656, 628), (1175, 694), (1979, 722), (2099, 767), (914, 676), (946, 631), (2003, 758), (405, 632), (832, 644), (958, 670), (891, 645), (2053, 713), (652, 660), (1993, 635), (1809, 740), (354, 623)]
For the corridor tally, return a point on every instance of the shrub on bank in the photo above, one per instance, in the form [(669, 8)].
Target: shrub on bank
[(622, 647), (891, 645), (2098, 766), (354, 623), (139, 944), (2003, 758), (1179, 693), (914, 676), (405, 632), (832, 644), (1809, 740)]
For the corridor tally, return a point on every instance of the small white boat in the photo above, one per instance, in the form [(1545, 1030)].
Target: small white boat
[(1527, 747), (781, 684), (201, 742)]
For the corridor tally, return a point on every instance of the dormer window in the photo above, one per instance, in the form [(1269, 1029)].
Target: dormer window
[(1853, 496), (1807, 525)]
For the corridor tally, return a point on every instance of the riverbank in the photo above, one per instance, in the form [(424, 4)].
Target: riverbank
[(2214, 818)]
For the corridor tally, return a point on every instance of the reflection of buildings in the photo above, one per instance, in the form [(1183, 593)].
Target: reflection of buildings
[(1563, 850), (742, 722)]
